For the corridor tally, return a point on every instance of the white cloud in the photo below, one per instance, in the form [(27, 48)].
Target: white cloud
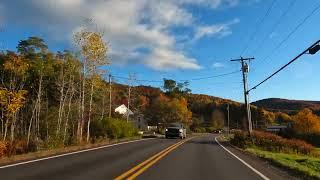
[(162, 59), (217, 30), (128, 25), (217, 65), (210, 3), (166, 13)]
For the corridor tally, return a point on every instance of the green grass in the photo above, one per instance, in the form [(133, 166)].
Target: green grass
[(306, 165)]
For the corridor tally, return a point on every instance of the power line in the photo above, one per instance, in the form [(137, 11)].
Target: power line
[(194, 79), (275, 26), (258, 27), (292, 32), (139, 80), (312, 49), (210, 77)]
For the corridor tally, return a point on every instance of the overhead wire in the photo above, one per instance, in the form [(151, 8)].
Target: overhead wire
[(280, 69), (275, 26), (193, 79), (291, 33), (257, 27), (215, 76)]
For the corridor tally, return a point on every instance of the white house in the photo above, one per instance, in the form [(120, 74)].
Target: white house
[(136, 119), (123, 110)]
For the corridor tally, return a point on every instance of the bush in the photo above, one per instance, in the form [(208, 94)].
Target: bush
[(113, 128), (240, 139), (312, 138), (271, 142), (199, 130), (3, 148), (20, 147), (210, 129)]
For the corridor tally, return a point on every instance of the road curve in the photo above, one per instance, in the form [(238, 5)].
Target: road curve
[(198, 158)]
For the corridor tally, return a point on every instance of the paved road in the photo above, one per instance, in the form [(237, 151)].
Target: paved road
[(198, 158)]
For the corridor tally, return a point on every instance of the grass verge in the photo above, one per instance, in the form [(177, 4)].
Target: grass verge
[(52, 152), (302, 164)]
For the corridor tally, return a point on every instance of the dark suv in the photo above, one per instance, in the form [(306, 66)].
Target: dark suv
[(176, 130)]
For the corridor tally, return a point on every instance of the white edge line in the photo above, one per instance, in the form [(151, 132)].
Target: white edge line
[(245, 163), (71, 153)]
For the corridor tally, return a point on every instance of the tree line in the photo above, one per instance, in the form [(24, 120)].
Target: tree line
[(51, 99)]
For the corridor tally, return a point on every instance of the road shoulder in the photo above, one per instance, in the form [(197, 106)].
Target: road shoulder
[(264, 166), (49, 154)]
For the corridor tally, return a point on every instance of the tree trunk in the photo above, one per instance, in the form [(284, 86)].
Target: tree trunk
[(69, 109), (60, 103), (5, 131), (30, 124), (2, 123), (13, 128), (82, 108), (90, 111), (103, 106), (38, 107), (79, 108)]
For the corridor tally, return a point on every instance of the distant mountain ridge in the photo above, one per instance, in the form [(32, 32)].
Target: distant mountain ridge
[(286, 105)]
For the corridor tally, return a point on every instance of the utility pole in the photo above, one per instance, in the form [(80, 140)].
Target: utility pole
[(131, 79), (129, 96), (245, 71), (228, 109), (110, 96)]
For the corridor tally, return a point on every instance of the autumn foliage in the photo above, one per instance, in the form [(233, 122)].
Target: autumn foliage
[(3, 148), (305, 122), (271, 142)]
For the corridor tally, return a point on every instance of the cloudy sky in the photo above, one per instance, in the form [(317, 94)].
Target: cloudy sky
[(184, 39)]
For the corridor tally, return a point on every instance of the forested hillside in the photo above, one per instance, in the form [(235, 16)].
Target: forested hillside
[(288, 106)]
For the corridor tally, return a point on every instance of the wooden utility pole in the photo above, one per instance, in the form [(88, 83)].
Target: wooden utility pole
[(228, 109), (110, 96), (131, 79), (129, 96), (245, 71)]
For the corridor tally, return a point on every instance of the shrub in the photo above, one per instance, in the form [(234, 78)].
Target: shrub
[(271, 142), (199, 130), (3, 148), (113, 128), (20, 146), (210, 129), (240, 139)]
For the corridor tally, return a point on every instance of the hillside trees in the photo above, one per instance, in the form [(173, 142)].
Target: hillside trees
[(305, 122), (165, 110), (217, 119)]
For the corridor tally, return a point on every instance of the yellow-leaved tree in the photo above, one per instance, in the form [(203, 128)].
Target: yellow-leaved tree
[(12, 94), (94, 53)]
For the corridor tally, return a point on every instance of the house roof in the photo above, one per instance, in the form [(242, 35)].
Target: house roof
[(123, 110)]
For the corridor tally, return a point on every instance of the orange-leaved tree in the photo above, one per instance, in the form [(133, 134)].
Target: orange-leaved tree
[(306, 122)]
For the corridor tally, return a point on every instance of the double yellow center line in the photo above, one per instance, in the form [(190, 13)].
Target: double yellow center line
[(140, 168)]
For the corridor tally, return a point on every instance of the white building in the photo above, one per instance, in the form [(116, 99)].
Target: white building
[(123, 110), (138, 119)]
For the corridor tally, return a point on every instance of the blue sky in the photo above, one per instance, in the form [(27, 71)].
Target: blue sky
[(184, 39)]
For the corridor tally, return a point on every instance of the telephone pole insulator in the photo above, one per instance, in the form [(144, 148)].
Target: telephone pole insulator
[(313, 50)]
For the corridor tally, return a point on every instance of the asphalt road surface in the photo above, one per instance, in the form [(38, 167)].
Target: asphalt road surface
[(197, 158)]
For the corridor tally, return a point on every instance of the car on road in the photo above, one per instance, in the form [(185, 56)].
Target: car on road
[(175, 130), (217, 131)]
